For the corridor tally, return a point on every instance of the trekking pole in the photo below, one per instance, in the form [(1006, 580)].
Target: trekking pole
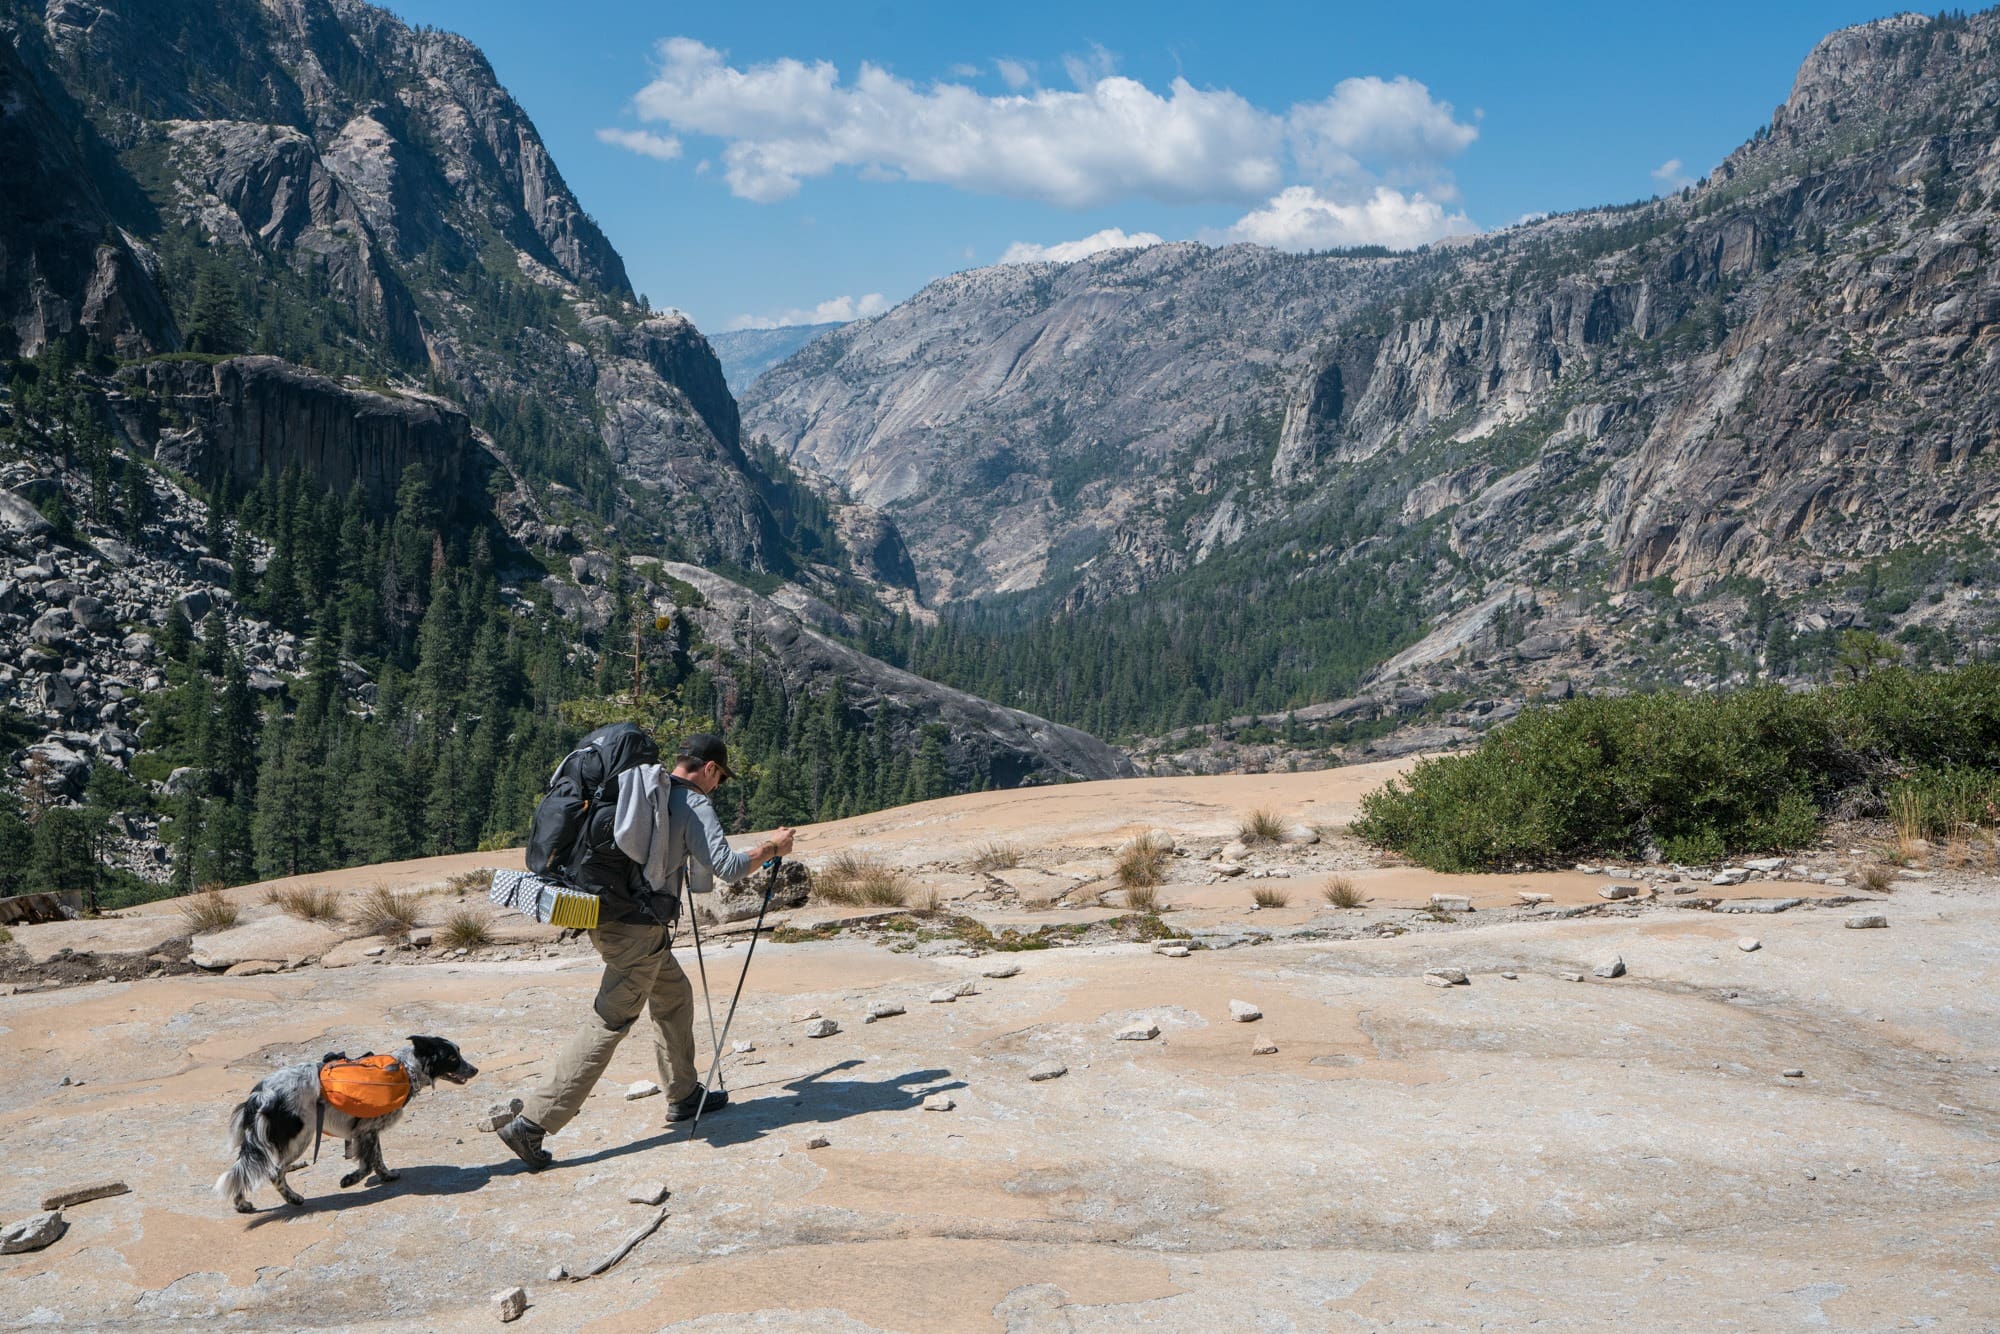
[(715, 1065), (701, 966)]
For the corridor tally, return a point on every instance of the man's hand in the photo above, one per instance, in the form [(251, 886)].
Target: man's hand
[(778, 844)]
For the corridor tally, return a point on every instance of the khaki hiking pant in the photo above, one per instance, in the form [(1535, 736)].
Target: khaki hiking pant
[(639, 974)]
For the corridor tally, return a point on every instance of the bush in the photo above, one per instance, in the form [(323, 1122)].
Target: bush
[(996, 857), (1341, 893), (854, 879), (1876, 879), (306, 903), (208, 911), (1262, 825), (1269, 896), (386, 913), (1142, 898), (464, 929), (1142, 863), (1940, 804), (467, 882)]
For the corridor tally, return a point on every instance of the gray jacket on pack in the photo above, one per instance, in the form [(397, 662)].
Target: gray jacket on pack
[(672, 831)]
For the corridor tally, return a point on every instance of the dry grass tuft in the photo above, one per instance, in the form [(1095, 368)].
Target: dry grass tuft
[(465, 929), (1876, 878), (1142, 898), (308, 903), (469, 882), (1341, 893), (209, 911), (386, 913), (1262, 825), (928, 899), (1269, 896), (1142, 863), (996, 857), (855, 879)]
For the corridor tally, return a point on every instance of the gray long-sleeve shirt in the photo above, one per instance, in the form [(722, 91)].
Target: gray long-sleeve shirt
[(672, 831)]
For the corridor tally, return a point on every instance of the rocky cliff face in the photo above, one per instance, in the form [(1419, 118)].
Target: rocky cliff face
[(1785, 375)]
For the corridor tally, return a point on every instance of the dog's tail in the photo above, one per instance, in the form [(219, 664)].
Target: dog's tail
[(253, 1156)]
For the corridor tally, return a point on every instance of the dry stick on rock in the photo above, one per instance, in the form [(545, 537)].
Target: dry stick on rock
[(645, 1230)]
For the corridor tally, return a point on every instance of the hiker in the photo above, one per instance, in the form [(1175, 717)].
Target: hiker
[(667, 826)]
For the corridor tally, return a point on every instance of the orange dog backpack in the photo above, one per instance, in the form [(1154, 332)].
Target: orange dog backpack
[(364, 1087)]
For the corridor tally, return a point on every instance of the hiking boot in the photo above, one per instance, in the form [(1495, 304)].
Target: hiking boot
[(685, 1108), (524, 1137)]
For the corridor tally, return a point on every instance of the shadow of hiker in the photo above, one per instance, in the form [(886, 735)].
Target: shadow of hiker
[(819, 1100)]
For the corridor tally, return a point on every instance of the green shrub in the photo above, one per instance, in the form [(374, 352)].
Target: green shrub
[(1702, 776)]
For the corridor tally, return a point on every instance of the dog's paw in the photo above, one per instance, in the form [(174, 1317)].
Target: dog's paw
[(384, 1178), (353, 1177), (244, 1206)]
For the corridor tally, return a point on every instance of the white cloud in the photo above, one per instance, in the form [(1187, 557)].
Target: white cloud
[(839, 309), (964, 70), (663, 147), (1372, 155), (1301, 218), (1062, 252), (1368, 125), (786, 121), (1672, 175)]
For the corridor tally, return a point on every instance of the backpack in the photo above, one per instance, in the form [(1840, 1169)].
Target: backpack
[(570, 840), (367, 1086)]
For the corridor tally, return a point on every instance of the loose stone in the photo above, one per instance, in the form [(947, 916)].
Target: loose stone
[(1749, 944), (33, 1233), (1795, 1074), (1143, 1031), (883, 1010), (1867, 921), (1265, 1049), (1619, 892), (499, 1114), (642, 1088), (1048, 1070), (1447, 977), (647, 1192), (510, 1304), (822, 1028), (818, 1142), (1243, 1012), (1613, 967), (1451, 903), (1003, 970), (944, 997), (939, 1102)]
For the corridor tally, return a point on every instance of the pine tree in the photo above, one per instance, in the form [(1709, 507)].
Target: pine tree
[(215, 324)]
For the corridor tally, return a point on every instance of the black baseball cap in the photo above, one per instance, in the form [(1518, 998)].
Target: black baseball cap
[(707, 748)]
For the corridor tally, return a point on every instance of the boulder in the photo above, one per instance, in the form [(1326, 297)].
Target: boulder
[(266, 938), (739, 903), (91, 614)]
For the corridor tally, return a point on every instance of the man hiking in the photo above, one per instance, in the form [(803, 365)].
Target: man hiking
[(666, 824)]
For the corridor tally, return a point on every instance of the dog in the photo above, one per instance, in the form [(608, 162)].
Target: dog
[(271, 1132)]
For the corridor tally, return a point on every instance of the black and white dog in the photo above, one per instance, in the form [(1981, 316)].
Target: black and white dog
[(271, 1132)]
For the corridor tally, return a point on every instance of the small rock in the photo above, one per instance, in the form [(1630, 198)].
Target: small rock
[(1570, 977), (1946, 1109), (253, 968), (32, 1234), (510, 1305), (1585, 869), (822, 1028), (1447, 977), (1265, 1049), (1002, 970), (1612, 967), (1532, 899), (499, 1114), (1749, 944), (1766, 864), (1235, 851), (805, 1016), (742, 1048), (883, 1010), (374, 950), (648, 1192), (1243, 1012), (1867, 921), (1511, 977), (1143, 1031), (819, 1142), (1794, 1074), (1229, 868), (421, 939), (1172, 949), (1734, 875), (1048, 1070), (945, 997), (1451, 903), (558, 1273), (1619, 892), (643, 1088), (100, 1190), (939, 1102)]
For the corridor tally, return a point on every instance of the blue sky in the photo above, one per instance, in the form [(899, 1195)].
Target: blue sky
[(756, 163)]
